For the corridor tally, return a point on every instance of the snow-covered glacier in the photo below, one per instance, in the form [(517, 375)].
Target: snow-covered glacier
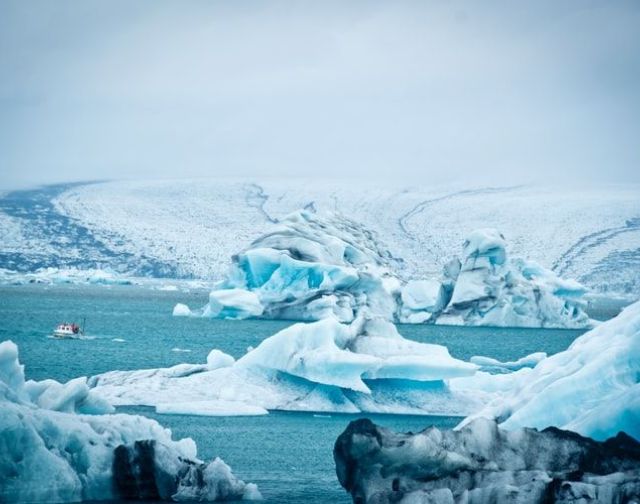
[(324, 366), (592, 388), (189, 228), (59, 444), (310, 266)]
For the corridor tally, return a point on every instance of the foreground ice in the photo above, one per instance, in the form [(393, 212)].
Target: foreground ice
[(312, 267), (50, 452), (592, 388), (325, 366), (483, 464)]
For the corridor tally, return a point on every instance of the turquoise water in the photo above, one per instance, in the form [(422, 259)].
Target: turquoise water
[(289, 455)]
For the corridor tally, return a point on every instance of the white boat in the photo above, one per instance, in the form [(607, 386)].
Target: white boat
[(68, 331)]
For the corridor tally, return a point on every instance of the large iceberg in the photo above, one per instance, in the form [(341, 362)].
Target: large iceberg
[(52, 452), (323, 366), (483, 464), (308, 268), (592, 388), (488, 287)]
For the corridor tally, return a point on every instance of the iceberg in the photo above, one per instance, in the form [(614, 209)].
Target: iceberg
[(592, 388), (309, 267), (482, 464), (323, 366), (53, 451), (488, 287)]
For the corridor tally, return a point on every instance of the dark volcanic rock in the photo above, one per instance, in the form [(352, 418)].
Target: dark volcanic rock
[(482, 464)]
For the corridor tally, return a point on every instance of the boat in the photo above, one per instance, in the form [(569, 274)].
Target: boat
[(67, 330)]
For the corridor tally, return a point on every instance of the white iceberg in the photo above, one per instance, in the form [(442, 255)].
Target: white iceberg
[(488, 287), (52, 454), (181, 310), (325, 366), (489, 363), (592, 388)]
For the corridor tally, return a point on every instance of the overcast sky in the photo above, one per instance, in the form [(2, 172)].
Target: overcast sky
[(415, 91)]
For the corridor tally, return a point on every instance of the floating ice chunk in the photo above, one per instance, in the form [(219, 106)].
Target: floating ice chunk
[(181, 310), (54, 456), (323, 366), (482, 463), (211, 408), (591, 388), (530, 361), (491, 288), (217, 359), (307, 268), (233, 303)]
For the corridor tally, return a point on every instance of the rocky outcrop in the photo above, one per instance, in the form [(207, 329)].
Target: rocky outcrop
[(483, 464)]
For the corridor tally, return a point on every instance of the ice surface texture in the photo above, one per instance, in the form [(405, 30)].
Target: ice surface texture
[(49, 452), (321, 366), (592, 388), (484, 464)]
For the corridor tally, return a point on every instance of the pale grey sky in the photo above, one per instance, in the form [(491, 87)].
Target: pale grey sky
[(424, 90)]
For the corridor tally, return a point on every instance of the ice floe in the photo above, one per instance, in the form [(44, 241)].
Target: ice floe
[(325, 366), (52, 451)]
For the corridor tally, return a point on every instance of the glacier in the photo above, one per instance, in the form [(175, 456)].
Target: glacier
[(60, 444), (322, 366), (190, 227), (483, 464), (592, 388), (310, 267)]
